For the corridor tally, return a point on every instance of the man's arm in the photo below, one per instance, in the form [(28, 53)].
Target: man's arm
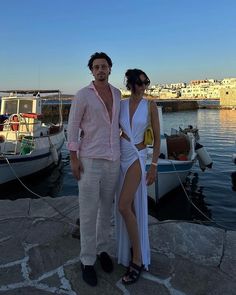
[(73, 132)]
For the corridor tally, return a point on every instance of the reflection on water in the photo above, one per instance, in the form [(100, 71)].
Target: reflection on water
[(183, 203), (48, 182), (233, 178), (227, 118), (217, 130)]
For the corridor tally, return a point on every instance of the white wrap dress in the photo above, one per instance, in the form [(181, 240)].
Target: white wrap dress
[(129, 154)]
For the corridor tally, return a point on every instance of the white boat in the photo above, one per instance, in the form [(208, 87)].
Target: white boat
[(177, 156), (27, 144)]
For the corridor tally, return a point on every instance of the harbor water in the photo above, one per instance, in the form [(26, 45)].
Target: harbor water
[(212, 191), (208, 197)]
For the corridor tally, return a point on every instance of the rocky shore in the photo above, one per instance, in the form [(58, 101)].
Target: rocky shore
[(39, 256)]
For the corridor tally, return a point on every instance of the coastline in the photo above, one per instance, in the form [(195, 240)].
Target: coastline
[(50, 109)]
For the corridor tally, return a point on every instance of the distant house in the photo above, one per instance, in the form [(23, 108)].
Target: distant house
[(228, 97)]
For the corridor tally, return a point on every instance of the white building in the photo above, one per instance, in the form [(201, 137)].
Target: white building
[(214, 91), (201, 89), (168, 93), (125, 92), (194, 91), (229, 82)]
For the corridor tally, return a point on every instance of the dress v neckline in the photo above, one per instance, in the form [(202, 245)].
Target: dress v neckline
[(131, 121)]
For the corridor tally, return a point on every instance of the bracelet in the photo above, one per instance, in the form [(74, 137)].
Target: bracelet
[(154, 164)]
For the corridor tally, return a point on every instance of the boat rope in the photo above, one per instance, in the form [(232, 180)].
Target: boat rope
[(71, 222), (191, 202), (75, 225)]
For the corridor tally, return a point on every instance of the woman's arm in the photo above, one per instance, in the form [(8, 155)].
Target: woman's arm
[(155, 123)]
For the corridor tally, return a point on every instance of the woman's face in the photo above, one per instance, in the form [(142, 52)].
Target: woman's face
[(141, 85)]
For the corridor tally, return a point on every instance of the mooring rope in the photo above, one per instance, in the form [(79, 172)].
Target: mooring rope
[(191, 202), (74, 224), (39, 196)]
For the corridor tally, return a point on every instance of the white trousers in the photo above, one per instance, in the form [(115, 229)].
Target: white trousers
[(97, 188)]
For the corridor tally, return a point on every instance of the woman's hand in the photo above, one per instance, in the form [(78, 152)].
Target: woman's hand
[(151, 175)]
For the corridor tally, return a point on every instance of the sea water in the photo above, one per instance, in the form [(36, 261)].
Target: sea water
[(212, 192)]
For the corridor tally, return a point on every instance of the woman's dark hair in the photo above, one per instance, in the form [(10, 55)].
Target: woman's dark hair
[(97, 55), (133, 77)]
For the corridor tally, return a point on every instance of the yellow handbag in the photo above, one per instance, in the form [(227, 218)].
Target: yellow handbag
[(148, 134)]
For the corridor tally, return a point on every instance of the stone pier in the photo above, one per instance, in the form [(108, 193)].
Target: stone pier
[(39, 256)]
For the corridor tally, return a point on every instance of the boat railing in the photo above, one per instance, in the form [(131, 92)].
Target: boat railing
[(14, 130), (17, 145), (18, 122)]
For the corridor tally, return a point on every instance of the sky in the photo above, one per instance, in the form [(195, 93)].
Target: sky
[(46, 44)]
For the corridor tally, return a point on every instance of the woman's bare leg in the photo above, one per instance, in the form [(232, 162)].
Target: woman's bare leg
[(126, 208)]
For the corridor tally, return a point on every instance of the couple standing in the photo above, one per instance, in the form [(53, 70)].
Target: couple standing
[(106, 164)]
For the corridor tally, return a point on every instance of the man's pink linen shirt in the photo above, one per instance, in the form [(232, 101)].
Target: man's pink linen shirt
[(88, 112)]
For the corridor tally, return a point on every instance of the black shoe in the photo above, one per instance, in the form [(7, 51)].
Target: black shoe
[(89, 274), (106, 262)]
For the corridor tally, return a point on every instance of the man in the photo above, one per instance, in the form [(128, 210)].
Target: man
[(95, 161)]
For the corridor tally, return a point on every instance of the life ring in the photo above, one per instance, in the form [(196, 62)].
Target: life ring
[(14, 126)]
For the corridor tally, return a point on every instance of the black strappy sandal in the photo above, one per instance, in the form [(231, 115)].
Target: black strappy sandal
[(132, 274)]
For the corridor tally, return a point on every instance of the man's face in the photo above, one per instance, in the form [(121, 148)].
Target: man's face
[(100, 69)]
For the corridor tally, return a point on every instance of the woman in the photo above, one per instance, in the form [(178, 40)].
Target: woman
[(132, 218)]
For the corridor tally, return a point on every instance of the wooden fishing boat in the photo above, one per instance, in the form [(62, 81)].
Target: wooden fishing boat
[(27, 144)]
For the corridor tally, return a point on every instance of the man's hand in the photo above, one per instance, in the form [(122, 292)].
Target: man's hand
[(76, 165)]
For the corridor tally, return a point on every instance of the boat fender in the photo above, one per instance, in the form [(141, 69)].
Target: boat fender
[(203, 155), (201, 165), (54, 154)]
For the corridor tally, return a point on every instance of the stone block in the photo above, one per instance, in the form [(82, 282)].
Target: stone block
[(10, 275), (199, 243), (228, 263), (50, 256)]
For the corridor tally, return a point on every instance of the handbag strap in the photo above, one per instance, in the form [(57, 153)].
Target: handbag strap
[(149, 113)]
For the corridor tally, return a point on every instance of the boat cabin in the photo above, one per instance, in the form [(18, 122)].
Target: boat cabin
[(16, 104), (21, 114)]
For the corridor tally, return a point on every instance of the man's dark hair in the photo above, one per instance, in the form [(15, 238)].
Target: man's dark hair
[(97, 55)]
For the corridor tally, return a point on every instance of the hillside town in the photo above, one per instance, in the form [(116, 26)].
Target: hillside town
[(197, 89)]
